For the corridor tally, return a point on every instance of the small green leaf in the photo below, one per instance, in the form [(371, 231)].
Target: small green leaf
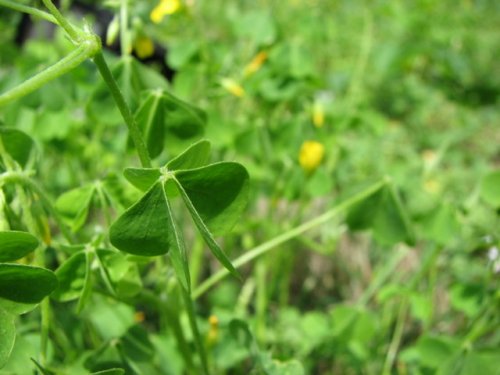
[(207, 236), (7, 336), (161, 112), (151, 118), (142, 228), (183, 119), (74, 205), (25, 284), (142, 178), (218, 193), (71, 276), (197, 155), (17, 144), (14, 245), (490, 188)]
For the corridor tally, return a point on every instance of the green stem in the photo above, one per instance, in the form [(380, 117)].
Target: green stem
[(396, 337), (62, 21), (28, 10), (133, 128), (188, 302), (63, 66), (297, 231), (124, 33)]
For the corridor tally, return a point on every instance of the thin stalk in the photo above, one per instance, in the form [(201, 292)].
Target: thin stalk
[(45, 317), (62, 21), (124, 33), (188, 302), (396, 337), (297, 231), (68, 63), (133, 128), (29, 10), (385, 273)]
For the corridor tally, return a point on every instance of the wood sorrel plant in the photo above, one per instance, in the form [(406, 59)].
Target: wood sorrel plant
[(214, 195)]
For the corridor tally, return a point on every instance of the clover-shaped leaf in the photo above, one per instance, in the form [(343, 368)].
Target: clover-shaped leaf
[(215, 195)]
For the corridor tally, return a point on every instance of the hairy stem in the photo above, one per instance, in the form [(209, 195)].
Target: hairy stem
[(63, 66), (28, 10)]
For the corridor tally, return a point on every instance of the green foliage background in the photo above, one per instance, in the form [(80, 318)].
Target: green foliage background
[(405, 282)]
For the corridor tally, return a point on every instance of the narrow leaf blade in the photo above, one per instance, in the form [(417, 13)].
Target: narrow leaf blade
[(207, 236)]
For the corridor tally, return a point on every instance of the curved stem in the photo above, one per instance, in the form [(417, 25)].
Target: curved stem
[(63, 66), (133, 128), (29, 10), (271, 244)]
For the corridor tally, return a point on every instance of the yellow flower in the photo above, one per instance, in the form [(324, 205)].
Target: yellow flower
[(255, 64), (164, 8), (233, 87), (318, 115), (213, 332), (310, 155), (144, 47)]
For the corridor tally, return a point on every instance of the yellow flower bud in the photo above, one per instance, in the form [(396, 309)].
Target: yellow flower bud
[(233, 87), (164, 8), (144, 47), (310, 156), (255, 64), (318, 115)]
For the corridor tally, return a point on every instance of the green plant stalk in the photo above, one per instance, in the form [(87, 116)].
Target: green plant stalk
[(188, 302), (28, 10), (385, 273), (133, 128), (68, 63), (62, 21), (124, 32), (297, 231), (396, 337)]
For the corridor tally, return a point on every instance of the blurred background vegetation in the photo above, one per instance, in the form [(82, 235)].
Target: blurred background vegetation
[(405, 89)]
